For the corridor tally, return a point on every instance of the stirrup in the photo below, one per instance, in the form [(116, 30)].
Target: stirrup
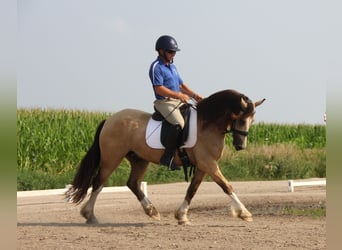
[(173, 166), (170, 164)]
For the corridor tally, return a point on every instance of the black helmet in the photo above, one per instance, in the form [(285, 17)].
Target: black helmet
[(167, 42)]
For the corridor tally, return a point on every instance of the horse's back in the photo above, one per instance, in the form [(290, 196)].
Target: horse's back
[(129, 119), (129, 113), (124, 125)]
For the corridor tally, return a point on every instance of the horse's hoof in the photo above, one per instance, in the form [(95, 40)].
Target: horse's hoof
[(246, 215), (249, 219), (182, 219), (155, 216), (152, 212), (92, 221), (242, 214), (181, 222)]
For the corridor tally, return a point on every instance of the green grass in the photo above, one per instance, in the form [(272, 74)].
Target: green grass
[(315, 212), (301, 135), (51, 143), (54, 140), (274, 162)]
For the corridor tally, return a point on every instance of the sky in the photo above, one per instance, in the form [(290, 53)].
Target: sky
[(95, 55)]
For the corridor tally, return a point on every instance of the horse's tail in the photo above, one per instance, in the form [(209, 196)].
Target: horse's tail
[(87, 171)]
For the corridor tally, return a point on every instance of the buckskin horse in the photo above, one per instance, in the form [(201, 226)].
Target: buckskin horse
[(123, 136)]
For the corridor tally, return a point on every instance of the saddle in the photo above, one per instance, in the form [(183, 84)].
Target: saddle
[(185, 110)]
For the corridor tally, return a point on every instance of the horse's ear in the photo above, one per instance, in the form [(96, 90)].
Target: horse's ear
[(244, 104), (258, 103)]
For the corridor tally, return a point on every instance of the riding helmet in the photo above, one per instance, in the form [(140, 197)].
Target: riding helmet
[(167, 42)]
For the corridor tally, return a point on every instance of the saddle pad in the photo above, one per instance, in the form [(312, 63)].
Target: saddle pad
[(153, 130)]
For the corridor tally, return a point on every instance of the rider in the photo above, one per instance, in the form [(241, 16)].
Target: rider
[(170, 93)]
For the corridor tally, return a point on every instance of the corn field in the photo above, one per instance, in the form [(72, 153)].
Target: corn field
[(51, 143)]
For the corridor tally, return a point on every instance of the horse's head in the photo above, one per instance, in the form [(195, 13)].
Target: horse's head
[(228, 109), (242, 121)]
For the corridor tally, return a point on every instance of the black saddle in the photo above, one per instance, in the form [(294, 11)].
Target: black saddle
[(185, 111)]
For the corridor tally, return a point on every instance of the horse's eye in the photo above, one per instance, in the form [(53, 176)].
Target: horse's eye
[(242, 122)]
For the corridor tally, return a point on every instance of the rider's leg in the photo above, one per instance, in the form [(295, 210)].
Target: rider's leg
[(171, 144), (169, 108)]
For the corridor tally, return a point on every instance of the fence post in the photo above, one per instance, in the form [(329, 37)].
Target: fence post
[(290, 186)]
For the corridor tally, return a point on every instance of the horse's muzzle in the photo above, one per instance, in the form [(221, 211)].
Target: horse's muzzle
[(239, 147)]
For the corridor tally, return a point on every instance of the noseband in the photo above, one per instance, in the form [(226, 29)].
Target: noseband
[(234, 130)]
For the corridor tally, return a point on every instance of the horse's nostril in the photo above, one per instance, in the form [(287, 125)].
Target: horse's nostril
[(238, 147)]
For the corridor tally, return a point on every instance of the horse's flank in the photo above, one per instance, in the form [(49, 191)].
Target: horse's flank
[(125, 131)]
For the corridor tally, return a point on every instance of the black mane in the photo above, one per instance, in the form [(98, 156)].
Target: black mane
[(218, 107)]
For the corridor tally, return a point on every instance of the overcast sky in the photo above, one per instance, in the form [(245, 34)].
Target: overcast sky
[(95, 55)]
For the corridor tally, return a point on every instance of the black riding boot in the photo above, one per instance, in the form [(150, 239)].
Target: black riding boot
[(171, 145)]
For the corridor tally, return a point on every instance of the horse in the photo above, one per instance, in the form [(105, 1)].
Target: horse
[(122, 135)]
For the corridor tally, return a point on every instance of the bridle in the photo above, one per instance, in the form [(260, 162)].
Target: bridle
[(237, 131)]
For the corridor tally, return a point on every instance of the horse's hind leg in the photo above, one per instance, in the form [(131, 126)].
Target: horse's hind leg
[(138, 169), (106, 169), (87, 210), (182, 212)]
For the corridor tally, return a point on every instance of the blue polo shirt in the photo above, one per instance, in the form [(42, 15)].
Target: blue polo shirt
[(164, 75)]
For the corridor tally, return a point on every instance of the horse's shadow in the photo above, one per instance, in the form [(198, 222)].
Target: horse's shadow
[(64, 224)]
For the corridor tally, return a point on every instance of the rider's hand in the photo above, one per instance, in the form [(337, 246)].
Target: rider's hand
[(197, 97), (183, 97)]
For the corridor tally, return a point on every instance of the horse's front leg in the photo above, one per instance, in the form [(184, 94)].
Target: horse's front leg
[(238, 209), (182, 213)]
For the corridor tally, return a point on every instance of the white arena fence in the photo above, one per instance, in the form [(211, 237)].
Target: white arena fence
[(63, 190), (292, 184)]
